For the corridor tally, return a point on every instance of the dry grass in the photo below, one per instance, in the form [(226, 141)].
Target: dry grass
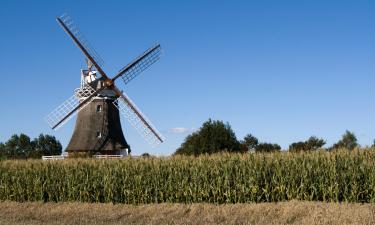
[(293, 212)]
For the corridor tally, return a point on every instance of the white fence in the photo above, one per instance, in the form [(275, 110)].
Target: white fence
[(109, 156), (53, 157), (61, 157)]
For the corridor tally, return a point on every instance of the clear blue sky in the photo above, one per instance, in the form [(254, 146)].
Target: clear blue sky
[(281, 70)]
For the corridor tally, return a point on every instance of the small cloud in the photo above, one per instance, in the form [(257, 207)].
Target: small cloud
[(182, 130)]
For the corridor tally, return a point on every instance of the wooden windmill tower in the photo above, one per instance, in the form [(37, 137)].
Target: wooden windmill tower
[(98, 103)]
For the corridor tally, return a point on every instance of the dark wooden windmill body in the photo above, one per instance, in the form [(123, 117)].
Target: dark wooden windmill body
[(98, 126), (99, 103)]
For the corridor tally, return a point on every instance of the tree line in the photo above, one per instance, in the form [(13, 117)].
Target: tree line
[(22, 147), (216, 136), (213, 136)]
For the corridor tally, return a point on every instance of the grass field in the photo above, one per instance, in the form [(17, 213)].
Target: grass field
[(344, 176), (294, 212)]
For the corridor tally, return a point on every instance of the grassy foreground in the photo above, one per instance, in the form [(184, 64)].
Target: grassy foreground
[(347, 176), (293, 212)]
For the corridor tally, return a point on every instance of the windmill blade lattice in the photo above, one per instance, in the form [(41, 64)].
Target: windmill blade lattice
[(143, 125), (69, 23), (149, 57), (68, 106)]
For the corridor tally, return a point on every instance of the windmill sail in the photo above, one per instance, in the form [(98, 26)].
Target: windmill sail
[(141, 63), (72, 27), (64, 112), (67, 23), (144, 127)]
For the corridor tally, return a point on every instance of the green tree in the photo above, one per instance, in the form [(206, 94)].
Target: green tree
[(18, 147), (214, 136), (348, 141), (312, 144), (267, 147), (249, 143), (45, 145), (21, 147)]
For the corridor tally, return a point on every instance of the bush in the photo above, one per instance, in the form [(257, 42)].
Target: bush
[(312, 144), (146, 155), (267, 147)]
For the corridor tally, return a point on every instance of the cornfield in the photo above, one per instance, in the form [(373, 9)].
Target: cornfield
[(224, 178)]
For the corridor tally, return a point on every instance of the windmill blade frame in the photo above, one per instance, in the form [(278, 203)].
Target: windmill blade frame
[(141, 63), (71, 29), (65, 111), (135, 117)]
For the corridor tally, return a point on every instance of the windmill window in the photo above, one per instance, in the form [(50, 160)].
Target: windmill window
[(98, 134), (98, 108)]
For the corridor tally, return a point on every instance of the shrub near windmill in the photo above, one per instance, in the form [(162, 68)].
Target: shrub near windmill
[(99, 101)]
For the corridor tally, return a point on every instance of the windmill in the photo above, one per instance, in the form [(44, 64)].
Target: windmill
[(99, 102)]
